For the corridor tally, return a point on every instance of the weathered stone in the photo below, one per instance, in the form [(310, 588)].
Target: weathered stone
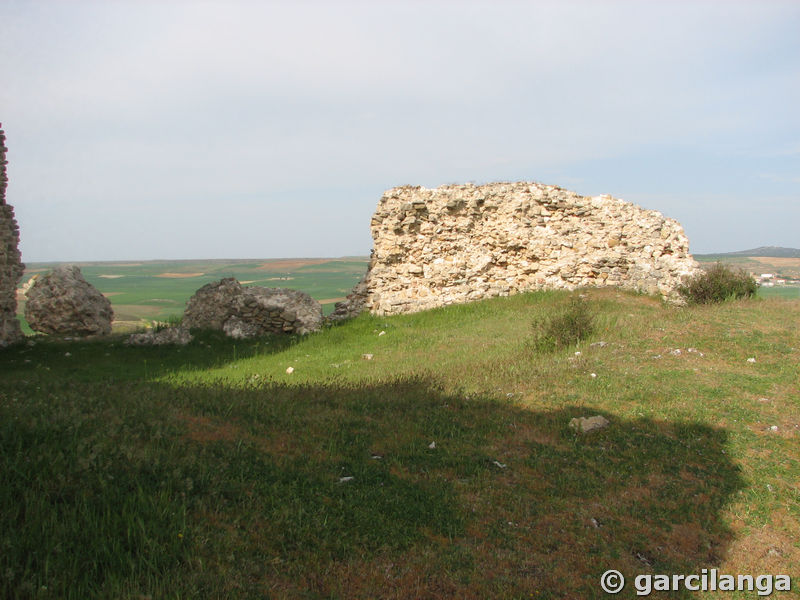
[(11, 266), (354, 304), (240, 329), (176, 336), (496, 249), (245, 312), (587, 424), (63, 302), (213, 304)]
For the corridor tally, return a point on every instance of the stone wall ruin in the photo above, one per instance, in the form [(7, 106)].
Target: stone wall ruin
[(11, 266), (459, 243)]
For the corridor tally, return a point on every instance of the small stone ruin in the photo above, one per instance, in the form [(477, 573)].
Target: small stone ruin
[(244, 312), (63, 302), (169, 336)]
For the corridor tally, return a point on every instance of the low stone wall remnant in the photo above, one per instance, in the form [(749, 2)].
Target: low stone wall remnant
[(245, 312), (460, 243)]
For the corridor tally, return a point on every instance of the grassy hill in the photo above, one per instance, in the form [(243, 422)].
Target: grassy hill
[(444, 467), (766, 251)]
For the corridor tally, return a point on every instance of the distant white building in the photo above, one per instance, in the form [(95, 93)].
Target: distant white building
[(766, 276)]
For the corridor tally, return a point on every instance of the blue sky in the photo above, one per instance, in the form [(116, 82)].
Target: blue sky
[(144, 129)]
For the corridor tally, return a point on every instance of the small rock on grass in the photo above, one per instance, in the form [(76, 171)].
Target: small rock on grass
[(587, 424), (290, 370), (178, 336), (367, 356)]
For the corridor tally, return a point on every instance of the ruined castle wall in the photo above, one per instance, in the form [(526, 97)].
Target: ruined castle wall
[(459, 243), (11, 266)]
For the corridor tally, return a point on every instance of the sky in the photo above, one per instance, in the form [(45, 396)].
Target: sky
[(244, 129)]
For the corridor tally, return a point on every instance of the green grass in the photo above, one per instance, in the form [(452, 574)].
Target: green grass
[(789, 291), (208, 471)]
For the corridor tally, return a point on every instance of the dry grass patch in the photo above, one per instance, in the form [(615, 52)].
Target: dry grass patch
[(204, 429), (179, 275), (293, 263), (778, 261), (771, 548)]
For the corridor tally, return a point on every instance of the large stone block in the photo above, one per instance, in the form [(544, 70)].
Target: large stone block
[(63, 302), (459, 243), (243, 312)]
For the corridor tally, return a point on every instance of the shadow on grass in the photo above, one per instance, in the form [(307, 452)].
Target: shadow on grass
[(335, 491), (110, 358)]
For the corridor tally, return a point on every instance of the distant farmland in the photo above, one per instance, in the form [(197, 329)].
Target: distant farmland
[(142, 292)]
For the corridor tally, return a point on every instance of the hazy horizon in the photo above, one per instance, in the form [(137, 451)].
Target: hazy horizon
[(278, 258), (141, 131)]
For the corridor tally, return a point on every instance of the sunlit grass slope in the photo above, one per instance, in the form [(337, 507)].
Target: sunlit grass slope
[(442, 467)]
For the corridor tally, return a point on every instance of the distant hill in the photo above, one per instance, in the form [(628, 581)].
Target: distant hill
[(771, 251)]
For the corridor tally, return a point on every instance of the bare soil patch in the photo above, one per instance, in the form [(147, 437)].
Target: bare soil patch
[(111, 276), (778, 261), (179, 275), (140, 311), (292, 263), (203, 429), (331, 300)]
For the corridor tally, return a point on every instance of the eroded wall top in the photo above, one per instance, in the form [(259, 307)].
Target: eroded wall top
[(3, 163)]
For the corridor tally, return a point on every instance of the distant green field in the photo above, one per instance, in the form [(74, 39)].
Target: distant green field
[(791, 292), (156, 290)]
